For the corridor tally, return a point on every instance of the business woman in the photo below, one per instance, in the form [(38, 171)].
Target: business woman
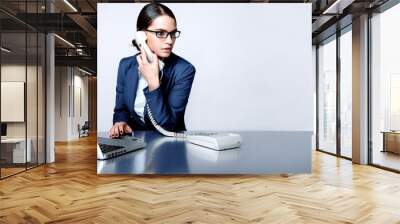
[(140, 82)]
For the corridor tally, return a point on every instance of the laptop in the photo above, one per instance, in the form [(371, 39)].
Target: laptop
[(109, 148)]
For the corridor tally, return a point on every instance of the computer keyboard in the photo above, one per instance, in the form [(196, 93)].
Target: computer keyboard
[(201, 133), (128, 137), (109, 148)]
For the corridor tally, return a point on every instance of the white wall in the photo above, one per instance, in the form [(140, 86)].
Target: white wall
[(253, 62), (12, 100), (69, 79), (61, 103), (17, 73), (80, 83)]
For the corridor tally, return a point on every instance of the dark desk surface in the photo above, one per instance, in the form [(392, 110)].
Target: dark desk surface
[(262, 152)]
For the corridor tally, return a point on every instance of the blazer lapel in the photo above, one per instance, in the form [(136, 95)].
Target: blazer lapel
[(131, 86)]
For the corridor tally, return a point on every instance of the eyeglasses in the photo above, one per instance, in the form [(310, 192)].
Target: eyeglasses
[(164, 34)]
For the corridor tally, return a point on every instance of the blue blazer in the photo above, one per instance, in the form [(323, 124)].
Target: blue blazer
[(167, 102)]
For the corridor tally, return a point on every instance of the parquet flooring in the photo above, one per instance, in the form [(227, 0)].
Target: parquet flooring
[(10, 171), (70, 191)]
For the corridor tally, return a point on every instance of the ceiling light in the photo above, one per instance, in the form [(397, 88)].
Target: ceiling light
[(5, 50), (70, 5), (338, 6), (65, 41), (84, 71)]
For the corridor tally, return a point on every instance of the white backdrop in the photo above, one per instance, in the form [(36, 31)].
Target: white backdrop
[(253, 63)]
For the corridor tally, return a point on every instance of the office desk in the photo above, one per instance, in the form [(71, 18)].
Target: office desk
[(13, 150), (262, 152), (391, 141)]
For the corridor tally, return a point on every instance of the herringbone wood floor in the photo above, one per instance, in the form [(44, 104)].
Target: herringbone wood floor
[(70, 191)]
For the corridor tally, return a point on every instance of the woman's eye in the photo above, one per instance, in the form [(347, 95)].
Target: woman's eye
[(161, 34)]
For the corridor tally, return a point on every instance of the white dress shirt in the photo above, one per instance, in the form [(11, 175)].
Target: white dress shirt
[(140, 100)]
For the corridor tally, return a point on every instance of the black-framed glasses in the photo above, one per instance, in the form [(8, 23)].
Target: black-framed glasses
[(164, 34)]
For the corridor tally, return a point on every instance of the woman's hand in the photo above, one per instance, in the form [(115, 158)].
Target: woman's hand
[(149, 70), (119, 128)]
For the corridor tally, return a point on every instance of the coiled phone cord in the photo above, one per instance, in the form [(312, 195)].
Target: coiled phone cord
[(161, 129)]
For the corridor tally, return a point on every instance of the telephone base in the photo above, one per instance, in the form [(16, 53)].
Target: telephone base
[(216, 141)]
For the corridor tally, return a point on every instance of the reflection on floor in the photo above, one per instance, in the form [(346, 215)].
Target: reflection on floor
[(10, 169), (387, 159)]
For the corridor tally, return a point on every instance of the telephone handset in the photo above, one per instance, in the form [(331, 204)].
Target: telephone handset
[(213, 140), (140, 38)]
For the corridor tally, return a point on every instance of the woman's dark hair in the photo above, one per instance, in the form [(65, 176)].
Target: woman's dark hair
[(150, 12)]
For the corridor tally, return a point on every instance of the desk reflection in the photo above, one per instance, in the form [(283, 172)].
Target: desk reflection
[(261, 152), (165, 155)]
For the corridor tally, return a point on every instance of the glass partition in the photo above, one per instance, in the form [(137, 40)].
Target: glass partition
[(346, 94), (385, 89), (327, 96), (13, 96), (22, 64)]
